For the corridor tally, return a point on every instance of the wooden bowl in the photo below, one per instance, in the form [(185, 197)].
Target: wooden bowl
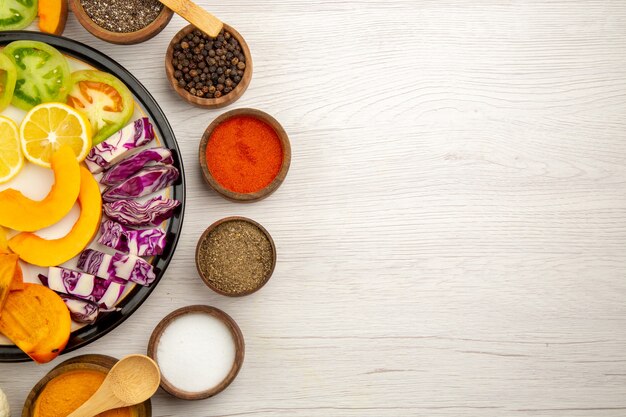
[(209, 103), (239, 350), (271, 187), (205, 235), (100, 363), (117, 37)]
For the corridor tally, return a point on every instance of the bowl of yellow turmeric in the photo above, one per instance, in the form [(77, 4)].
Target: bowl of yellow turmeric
[(70, 384)]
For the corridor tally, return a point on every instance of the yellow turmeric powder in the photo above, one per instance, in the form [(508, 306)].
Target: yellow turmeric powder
[(68, 391)]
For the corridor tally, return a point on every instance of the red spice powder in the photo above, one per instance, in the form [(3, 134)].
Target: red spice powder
[(244, 154)]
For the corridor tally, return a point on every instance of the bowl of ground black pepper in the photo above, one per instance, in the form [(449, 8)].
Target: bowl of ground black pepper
[(245, 155), (235, 256), (209, 72), (122, 21)]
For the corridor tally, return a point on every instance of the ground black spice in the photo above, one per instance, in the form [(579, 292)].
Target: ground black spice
[(208, 67), (236, 257), (122, 16)]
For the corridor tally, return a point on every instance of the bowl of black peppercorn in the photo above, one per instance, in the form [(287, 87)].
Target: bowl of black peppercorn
[(209, 72)]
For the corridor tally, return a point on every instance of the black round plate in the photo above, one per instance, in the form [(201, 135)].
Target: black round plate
[(108, 321)]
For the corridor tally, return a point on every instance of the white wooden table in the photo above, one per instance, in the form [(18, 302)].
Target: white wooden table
[(452, 232)]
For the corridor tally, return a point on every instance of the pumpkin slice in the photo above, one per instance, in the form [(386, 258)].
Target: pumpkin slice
[(21, 213), (52, 16), (8, 264), (38, 251), (18, 279), (37, 321)]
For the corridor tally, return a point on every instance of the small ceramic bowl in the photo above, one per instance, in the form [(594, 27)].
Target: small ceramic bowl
[(271, 187), (206, 234), (209, 103), (101, 363), (118, 37), (237, 338)]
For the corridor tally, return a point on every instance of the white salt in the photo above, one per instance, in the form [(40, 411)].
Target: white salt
[(196, 352)]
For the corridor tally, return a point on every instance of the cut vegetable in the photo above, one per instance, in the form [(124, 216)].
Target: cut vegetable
[(8, 77), (106, 293), (133, 164), (52, 16), (145, 182), (144, 242), (38, 251), (120, 145), (37, 321), (81, 311), (134, 213), (119, 266), (105, 100), (43, 74), (17, 14), (21, 213), (8, 264)]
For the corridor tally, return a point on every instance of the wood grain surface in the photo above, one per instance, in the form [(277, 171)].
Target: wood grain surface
[(451, 236)]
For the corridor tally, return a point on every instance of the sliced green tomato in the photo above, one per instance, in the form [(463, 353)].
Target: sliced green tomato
[(17, 14), (8, 75), (43, 74), (105, 100)]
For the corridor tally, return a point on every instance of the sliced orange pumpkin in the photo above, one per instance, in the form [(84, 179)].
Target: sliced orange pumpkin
[(37, 321), (52, 16), (21, 213), (38, 251)]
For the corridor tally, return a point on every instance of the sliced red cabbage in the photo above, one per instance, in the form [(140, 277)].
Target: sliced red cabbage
[(118, 145), (133, 213), (134, 163), (106, 293), (116, 267), (144, 242), (81, 311), (145, 182)]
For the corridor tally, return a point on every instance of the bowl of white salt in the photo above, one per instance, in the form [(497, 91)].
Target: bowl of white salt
[(200, 350)]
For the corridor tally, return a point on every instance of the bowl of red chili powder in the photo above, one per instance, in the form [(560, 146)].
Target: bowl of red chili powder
[(245, 155)]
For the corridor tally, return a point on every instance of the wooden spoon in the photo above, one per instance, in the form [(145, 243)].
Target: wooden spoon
[(196, 15), (131, 381)]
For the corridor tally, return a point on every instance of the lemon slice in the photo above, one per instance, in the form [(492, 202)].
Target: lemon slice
[(48, 126), (11, 159)]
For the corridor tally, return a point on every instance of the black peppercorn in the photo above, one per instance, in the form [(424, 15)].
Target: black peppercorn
[(208, 67)]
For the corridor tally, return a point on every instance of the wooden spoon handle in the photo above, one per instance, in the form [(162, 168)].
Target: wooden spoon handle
[(196, 15)]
